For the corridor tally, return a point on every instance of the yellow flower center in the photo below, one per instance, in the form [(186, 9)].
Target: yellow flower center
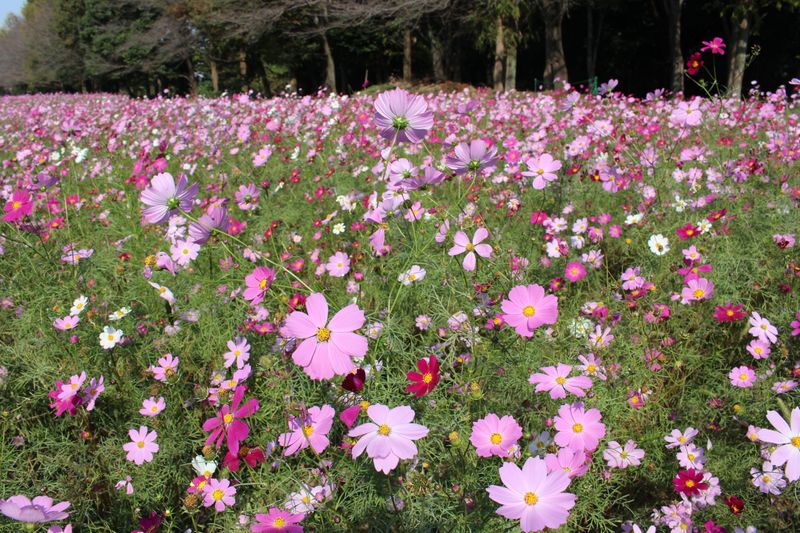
[(469, 247), (561, 380), (228, 418), (384, 430), (743, 376), (140, 444), (529, 311), (427, 377), (279, 522), (531, 498), (496, 438), (591, 369), (729, 312), (577, 428), (308, 430), (323, 334), (262, 284), (364, 405), (111, 337), (796, 442), (699, 293), (765, 478), (690, 456), (217, 494), (681, 439), (412, 277), (690, 483), (154, 408)]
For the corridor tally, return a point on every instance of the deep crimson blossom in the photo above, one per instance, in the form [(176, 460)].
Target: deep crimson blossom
[(689, 482), (426, 379)]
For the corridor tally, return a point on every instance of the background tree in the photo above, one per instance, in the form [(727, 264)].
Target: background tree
[(555, 63)]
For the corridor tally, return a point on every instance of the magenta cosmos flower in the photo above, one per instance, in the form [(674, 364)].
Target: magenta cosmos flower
[(493, 435), (472, 157), (578, 428), (19, 206), (216, 218), (715, 45), (228, 422), (142, 445), (557, 382), (404, 115), (327, 347), (311, 429), (40, 509), (463, 244), (219, 493), (389, 437), (527, 308), (542, 169), (787, 437), (532, 495), (163, 198), (278, 521), (258, 283)]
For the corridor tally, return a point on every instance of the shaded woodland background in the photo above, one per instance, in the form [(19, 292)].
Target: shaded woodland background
[(143, 47)]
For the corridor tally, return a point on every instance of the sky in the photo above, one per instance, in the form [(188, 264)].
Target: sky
[(9, 6)]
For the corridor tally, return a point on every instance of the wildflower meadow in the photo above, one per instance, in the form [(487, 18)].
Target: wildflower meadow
[(400, 311)]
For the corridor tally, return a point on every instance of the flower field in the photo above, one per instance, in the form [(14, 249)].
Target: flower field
[(447, 312)]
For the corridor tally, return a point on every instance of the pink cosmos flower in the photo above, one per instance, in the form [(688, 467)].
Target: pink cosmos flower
[(184, 252), (19, 206), (311, 429), (228, 422), (532, 495), (66, 323), (238, 352), (389, 437), (574, 272), (247, 197), (542, 169), (218, 493), (472, 157), (258, 283), (164, 198), (278, 521), (493, 435), (403, 116), (40, 509), (742, 376), (759, 349), (678, 438), (215, 218), (618, 456), (167, 366), (795, 325), (463, 244), (142, 445), (762, 329), (578, 428), (527, 308), (327, 347), (574, 464), (697, 289), (557, 382), (338, 265), (716, 45), (152, 407), (788, 439)]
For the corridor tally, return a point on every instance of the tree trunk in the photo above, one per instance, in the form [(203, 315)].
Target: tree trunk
[(192, 79), (555, 64), (738, 56), (330, 64), (243, 69), (437, 56), (214, 76), (407, 55), (673, 9), (499, 54), (594, 27), (262, 73), (511, 67)]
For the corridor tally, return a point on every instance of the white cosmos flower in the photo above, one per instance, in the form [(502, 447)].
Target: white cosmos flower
[(658, 244), (110, 337)]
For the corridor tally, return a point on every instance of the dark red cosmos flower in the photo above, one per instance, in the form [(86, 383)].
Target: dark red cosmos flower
[(735, 504), (687, 231), (426, 379), (716, 215), (711, 527), (252, 456), (689, 482), (729, 312), (354, 381), (694, 63), (151, 523)]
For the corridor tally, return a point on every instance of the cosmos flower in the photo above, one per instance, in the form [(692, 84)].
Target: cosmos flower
[(389, 436), (527, 308), (556, 381), (787, 437), (462, 244), (424, 381), (219, 494), (257, 284), (228, 423), (216, 218), (18, 206), (310, 429), (493, 435), (403, 116), (578, 428), (142, 445), (472, 157), (542, 169), (533, 495), (715, 45), (327, 348), (39, 509), (163, 197), (277, 521)]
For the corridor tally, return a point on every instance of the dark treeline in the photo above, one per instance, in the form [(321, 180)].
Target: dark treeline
[(209, 46)]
